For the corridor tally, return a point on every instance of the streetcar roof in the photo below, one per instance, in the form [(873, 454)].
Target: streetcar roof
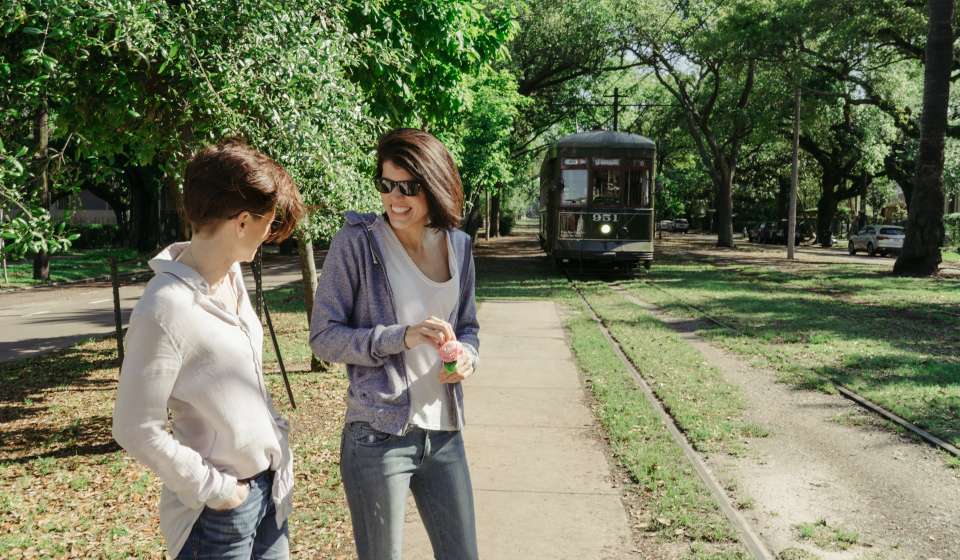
[(605, 139)]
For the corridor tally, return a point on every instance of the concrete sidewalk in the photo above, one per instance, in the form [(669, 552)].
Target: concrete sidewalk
[(541, 481)]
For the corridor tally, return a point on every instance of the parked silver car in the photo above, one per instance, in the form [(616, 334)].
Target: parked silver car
[(877, 239)]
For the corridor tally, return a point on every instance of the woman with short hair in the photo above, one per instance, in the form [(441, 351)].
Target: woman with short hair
[(194, 348), (397, 288)]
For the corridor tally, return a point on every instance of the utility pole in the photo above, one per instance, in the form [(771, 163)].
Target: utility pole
[(794, 176), (616, 109)]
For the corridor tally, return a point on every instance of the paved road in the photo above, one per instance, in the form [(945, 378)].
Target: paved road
[(43, 319)]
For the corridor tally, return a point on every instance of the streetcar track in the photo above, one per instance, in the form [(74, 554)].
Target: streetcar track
[(750, 539), (843, 390)]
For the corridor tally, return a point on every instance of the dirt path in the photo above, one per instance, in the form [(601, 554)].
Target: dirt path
[(826, 459)]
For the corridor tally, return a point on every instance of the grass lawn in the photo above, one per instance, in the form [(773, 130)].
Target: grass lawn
[(67, 490), (76, 265), (894, 340)]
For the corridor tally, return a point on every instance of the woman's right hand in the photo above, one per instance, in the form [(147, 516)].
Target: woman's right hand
[(434, 331), (240, 495)]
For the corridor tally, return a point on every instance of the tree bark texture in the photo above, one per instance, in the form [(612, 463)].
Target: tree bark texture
[(308, 270), (145, 192), (921, 248)]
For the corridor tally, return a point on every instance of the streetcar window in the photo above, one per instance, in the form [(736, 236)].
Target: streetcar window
[(638, 187), (575, 186), (607, 184)]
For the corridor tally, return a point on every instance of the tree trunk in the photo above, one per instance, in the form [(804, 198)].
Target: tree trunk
[(145, 191), (308, 270), (921, 248), (725, 212), (495, 215), (896, 165), (473, 220), (41, 135), (826, 209)]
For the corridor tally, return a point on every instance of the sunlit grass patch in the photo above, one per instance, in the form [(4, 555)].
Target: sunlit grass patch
[(893, 340), (77, 265), (825, 536)]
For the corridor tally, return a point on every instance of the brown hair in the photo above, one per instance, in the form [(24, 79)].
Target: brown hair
[(224, 180), (428, 160)]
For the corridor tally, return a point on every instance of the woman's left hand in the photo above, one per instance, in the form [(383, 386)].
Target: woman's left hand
[(464, 370)]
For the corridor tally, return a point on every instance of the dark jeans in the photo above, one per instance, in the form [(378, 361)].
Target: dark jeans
[(377, 471), (247, 531)]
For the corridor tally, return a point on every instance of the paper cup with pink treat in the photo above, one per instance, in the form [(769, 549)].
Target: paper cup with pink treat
[(450, 353)]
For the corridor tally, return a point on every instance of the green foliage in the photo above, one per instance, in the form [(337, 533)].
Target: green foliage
[(487, 127), (414, 58), (33, 232), (952, 225), (96, 236)]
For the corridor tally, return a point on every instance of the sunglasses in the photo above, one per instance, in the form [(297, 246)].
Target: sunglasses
[(275, 226), (407, 188)]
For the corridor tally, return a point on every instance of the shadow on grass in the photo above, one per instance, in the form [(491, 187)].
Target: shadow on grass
[(71, 368), (83, 437)]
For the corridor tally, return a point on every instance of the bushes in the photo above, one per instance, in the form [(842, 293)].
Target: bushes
[(951, 223), (96, 236)]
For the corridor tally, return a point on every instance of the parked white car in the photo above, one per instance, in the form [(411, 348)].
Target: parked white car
[(877, 239)]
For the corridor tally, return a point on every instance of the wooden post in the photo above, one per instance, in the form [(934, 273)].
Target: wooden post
[(257, 266), (257, 271), (3, 254), (276, 348), (115, 280)]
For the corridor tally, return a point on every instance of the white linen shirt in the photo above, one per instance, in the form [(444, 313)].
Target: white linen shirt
[(186, 353)]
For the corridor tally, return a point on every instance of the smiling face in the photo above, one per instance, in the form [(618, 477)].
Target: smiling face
[(404, 211)]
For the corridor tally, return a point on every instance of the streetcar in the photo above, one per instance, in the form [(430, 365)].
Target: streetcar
[(596, 199)]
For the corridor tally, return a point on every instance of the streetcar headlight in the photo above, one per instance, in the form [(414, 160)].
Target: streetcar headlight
[(605, 229)]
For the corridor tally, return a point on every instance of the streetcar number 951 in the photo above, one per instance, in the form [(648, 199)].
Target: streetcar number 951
[(605, 217)]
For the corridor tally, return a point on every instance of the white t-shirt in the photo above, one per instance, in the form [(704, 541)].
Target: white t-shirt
[(417, 297)]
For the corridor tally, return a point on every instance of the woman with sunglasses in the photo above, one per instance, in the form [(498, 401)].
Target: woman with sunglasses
[(394, 289), (194, 348)]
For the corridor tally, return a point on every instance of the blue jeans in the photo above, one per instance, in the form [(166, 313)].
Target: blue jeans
[(377, 470), (246, 531)]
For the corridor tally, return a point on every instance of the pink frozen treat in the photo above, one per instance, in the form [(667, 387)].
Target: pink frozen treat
[(450, 353)]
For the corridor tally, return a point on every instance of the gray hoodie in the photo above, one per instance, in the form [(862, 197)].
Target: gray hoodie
[(355, 322)]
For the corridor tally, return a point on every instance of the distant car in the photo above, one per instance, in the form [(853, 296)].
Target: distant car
[(681, 225), (877, 239), (665, 225), (765, 233), (778, 236)]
